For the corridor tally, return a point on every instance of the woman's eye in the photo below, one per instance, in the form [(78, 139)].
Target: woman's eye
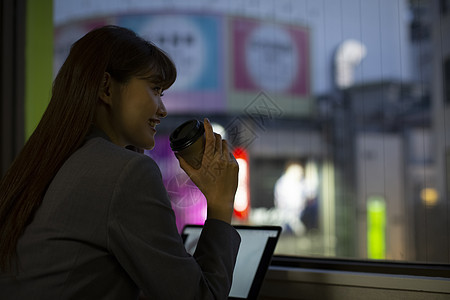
[(159, 91)]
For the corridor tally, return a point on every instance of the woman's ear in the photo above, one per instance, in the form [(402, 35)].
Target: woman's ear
[(106, 88)]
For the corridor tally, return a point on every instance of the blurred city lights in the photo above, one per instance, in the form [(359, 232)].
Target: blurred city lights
[(242, 198), (429, 196)]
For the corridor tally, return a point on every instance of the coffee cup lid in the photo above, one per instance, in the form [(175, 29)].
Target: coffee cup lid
[(186, 134)]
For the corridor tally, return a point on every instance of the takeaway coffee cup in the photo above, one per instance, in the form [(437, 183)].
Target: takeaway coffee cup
[(188, 141)]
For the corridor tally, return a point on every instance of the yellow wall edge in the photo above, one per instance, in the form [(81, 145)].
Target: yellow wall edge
[(38, 61)]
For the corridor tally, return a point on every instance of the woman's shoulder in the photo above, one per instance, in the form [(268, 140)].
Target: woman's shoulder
[(99, 148), (97, 142), (101, 156)]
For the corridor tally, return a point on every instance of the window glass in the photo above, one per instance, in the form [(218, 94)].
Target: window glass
[(336, 111)]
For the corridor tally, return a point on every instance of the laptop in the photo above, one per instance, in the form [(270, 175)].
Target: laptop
[(253, 259)]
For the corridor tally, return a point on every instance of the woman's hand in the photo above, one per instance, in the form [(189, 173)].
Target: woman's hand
[(217, 177)]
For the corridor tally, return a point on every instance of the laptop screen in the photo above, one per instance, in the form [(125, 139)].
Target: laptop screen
[(253, 259)]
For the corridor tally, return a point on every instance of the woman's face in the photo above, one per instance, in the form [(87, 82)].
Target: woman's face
[(136, 109)]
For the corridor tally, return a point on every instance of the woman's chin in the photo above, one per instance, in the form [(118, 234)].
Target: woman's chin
[(149, 146)]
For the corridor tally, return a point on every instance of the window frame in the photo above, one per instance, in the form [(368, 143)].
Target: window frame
[(363, 266)]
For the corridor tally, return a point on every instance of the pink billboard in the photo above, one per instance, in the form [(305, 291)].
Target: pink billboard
[(271, 57)]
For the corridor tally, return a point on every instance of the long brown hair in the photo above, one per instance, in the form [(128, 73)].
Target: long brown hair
[(68, 119)]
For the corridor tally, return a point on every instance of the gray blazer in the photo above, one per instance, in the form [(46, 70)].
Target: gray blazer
[(106, 230)]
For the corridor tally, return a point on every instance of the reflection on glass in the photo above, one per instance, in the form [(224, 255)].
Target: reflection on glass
[(323, 131)]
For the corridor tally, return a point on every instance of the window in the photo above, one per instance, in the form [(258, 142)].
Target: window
[(446, 81), (331, 119), (444, 6)]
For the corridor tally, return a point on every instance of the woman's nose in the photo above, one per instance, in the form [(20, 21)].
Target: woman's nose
[(162, 112)]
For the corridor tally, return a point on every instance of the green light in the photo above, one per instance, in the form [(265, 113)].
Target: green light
[(376, 227), (39, 61)]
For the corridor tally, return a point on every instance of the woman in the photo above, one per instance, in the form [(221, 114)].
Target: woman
[(83, 217)]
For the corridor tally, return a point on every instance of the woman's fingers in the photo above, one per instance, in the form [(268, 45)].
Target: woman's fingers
[(213, 143), (226, 155), (217, 150), (218, 147), (209, 139)]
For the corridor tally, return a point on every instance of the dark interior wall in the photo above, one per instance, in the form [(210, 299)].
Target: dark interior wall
[(12, 52)]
